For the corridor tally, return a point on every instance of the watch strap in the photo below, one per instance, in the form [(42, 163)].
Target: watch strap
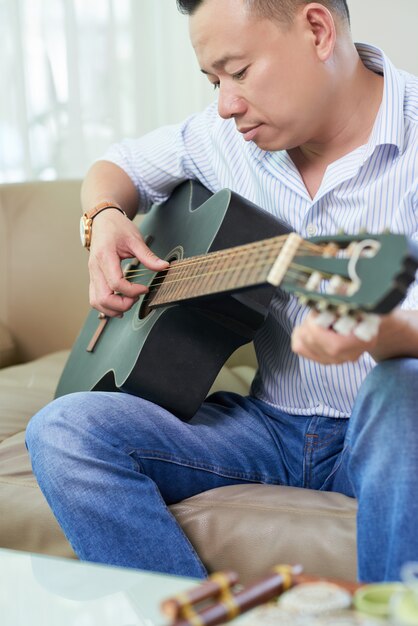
[(87, 220), (101, 207)]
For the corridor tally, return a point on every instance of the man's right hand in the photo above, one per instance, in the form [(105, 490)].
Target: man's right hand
[(115, 237)]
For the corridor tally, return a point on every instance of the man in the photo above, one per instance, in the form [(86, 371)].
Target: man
[(323, 135)]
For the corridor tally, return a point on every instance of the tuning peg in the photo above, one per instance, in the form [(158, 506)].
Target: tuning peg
[(322, 305), (341, 231), (336, 285), (330, 250), (368, 327), (325, 319), (303, 300), (343, 309), (345, 325), (314, 281)]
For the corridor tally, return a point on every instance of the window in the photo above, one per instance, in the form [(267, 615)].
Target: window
[(76, 76)]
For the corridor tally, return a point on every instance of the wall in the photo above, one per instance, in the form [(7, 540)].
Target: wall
[(390, 25)]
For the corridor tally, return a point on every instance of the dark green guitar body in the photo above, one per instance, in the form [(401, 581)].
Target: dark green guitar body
[(172, 356)]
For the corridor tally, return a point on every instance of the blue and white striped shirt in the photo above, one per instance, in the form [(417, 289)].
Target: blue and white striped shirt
[(373, 188)]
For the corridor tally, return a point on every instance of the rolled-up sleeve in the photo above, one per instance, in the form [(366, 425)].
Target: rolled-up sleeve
[(163, 158)]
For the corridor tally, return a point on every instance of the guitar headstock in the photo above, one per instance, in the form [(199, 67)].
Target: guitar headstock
[(347, 274)]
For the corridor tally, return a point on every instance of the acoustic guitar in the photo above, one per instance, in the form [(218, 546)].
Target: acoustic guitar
[(227, 258)]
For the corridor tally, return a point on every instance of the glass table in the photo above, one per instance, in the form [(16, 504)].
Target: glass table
[(38, 590)]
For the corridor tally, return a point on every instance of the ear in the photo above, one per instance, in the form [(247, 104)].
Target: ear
[(321, 24)]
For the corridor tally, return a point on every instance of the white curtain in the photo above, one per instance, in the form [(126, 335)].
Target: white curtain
[(76, 75)]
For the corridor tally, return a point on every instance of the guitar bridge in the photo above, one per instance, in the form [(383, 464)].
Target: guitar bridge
[(96, 336)]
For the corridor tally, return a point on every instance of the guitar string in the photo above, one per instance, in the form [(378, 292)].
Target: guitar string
[(300, 270), (177, 266), (169, 279), (265, 244)]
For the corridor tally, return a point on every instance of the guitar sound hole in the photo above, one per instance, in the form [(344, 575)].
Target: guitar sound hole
[(145, 308)]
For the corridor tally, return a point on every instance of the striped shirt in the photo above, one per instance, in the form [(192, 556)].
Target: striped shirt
[(373, 188)]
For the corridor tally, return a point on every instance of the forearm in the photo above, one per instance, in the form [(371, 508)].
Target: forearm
[(398, 336), (107, 181)]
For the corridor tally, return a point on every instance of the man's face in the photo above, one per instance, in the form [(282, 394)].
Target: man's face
[(269, 76)]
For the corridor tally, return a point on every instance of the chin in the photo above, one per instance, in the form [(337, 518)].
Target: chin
[(270, 146), (276, 144), (272, 143)]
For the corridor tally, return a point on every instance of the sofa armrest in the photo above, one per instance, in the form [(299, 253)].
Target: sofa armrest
[(44, 277)]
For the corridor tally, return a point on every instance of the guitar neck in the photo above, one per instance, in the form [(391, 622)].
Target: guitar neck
[(224, 271)]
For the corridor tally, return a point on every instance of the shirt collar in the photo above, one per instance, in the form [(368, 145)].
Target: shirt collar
[(389, 126)]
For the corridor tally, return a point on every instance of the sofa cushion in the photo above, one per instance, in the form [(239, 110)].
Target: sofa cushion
[(29, 523), (248, 528), (8, 349), (26, 388)]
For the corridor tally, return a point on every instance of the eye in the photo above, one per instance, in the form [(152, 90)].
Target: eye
[(241, 74)]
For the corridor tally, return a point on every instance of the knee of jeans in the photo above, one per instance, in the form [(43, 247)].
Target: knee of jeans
[(46, 428), (389, 395), (383, 434), (392, 377)]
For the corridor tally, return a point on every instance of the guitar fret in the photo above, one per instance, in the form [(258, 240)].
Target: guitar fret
[(224, 268), (191, 278), (212, 280), (257, 273), (179, 286)]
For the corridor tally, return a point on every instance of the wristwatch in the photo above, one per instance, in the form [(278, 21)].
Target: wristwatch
[(87, 218)]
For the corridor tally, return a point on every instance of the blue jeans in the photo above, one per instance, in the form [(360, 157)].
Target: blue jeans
[(110, 463)]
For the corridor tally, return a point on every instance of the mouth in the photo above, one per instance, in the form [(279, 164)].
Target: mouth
[(249, 132)]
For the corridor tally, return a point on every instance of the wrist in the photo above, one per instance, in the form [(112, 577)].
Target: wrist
[(86, 221)]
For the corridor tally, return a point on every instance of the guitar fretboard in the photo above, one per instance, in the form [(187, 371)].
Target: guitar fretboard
[(217, 272)]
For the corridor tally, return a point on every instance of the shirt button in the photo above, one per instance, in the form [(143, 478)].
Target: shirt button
[(311, 230)]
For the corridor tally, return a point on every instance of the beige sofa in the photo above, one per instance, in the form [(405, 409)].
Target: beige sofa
[(43, 302)]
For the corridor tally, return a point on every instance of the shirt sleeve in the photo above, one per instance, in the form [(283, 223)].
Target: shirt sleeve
[(162, 159)]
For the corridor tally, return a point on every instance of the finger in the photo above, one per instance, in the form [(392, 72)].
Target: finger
[(117, 231), (115, 306), (301, 346), (325, 346), (105, 300), (146, 256), (107, 272)]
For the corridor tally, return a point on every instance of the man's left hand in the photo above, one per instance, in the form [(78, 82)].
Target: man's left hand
[(325, 345)]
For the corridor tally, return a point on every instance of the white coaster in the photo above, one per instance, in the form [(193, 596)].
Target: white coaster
[(273, 615), (315, 598)]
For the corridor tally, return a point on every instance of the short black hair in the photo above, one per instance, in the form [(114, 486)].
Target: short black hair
[(273, 9)]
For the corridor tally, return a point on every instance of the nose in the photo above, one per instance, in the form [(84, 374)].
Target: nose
[(229, 103)]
